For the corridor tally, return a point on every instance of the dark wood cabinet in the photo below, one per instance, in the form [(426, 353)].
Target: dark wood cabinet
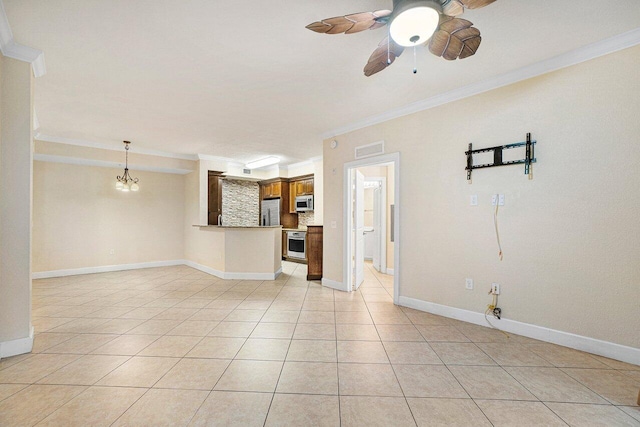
[(314, 252), (215, 197), (284, 244)]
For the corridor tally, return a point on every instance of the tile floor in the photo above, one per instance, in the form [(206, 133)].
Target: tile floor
[(174, 346)]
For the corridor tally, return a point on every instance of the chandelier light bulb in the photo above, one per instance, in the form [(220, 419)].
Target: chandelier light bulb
[(119, 185), (135, 187), (125, 188)]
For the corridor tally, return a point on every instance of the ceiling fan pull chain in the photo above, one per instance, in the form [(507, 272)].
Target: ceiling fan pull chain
[(388, 47), (415, 63)]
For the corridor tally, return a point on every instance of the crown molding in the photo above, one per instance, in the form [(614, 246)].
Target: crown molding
[(303, 163), (105, 164), (574, 57), (11, 49), (210, 158), (91, 144)]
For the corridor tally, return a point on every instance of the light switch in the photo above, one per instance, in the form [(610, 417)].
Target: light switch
[(473, 200), (468, 283)]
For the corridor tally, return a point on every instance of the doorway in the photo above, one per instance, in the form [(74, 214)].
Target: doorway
[(380, 208), (375, 218)]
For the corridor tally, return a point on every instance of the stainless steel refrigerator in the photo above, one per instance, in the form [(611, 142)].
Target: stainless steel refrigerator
[(270, 212)]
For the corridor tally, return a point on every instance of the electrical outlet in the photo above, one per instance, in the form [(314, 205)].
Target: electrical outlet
[(473, 200), (494, 199), (468, 284), (334, 224), (495, 289), (501, 199), (112, 251)]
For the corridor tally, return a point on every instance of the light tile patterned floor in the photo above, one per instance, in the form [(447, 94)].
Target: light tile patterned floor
[(174, 346)]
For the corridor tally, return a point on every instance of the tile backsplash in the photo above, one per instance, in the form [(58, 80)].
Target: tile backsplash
[(240, 203), (304, 219)]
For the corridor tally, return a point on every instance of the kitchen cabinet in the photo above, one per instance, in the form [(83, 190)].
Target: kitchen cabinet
[(278, 188), (284, 244), (304, 187), (272, 190), (314, 252), (299, 186), (214, 207), (292, 197)]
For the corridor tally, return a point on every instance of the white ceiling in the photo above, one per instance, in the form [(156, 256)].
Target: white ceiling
[(245, 79)]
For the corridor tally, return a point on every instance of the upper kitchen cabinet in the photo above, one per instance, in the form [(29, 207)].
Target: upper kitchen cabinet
[(279, 188), (215, 197), (272, 190), (299, 186)]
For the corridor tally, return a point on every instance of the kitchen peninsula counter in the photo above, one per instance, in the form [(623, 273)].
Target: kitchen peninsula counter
[(236, 252), (239, 226)]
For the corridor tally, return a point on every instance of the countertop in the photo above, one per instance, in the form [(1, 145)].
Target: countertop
[(238, 226)]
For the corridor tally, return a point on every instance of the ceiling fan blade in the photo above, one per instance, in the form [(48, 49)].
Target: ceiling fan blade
[(350, 24), (384, 55), (454, 39), (453, 8), (476, 4), (457, 7)]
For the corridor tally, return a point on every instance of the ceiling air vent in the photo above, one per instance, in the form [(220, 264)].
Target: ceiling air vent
[(246, 171), (369, 150)]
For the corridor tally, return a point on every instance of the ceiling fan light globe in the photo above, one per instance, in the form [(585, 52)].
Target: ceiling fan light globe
[(414, 26)]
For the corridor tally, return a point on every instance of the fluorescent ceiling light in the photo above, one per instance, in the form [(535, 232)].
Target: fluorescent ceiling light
[(271, 160)]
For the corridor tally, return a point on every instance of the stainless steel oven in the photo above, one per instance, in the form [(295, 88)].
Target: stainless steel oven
[(297, 244)]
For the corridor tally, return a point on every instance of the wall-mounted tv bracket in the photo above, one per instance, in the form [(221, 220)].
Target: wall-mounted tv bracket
[(497, 156)]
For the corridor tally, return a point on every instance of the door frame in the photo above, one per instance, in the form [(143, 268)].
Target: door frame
[(347, 208)]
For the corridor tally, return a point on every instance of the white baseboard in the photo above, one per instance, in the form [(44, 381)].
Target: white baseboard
[(390, 271), (122, 267), (567, 339), (16, 347), (333, 284), (105, 269), (229, 275)]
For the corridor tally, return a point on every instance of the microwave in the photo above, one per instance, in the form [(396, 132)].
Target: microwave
[(304, 203)]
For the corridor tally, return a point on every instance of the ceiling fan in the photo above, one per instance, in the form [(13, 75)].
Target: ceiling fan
[(412, 23)]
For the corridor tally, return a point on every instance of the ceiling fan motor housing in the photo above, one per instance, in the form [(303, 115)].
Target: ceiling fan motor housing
[(400, 6), (414, 21)]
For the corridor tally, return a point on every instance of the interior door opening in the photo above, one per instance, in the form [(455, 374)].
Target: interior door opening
[(372, 220)]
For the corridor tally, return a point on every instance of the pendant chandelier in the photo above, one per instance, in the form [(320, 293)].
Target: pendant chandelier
[(125, 182)]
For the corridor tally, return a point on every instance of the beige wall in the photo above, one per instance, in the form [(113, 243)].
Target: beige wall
[(16, 150), (318, 192), (137, 161), (570, 236), (79, 217)]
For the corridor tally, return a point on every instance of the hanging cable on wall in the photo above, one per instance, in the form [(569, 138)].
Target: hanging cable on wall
[(495, 223)]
